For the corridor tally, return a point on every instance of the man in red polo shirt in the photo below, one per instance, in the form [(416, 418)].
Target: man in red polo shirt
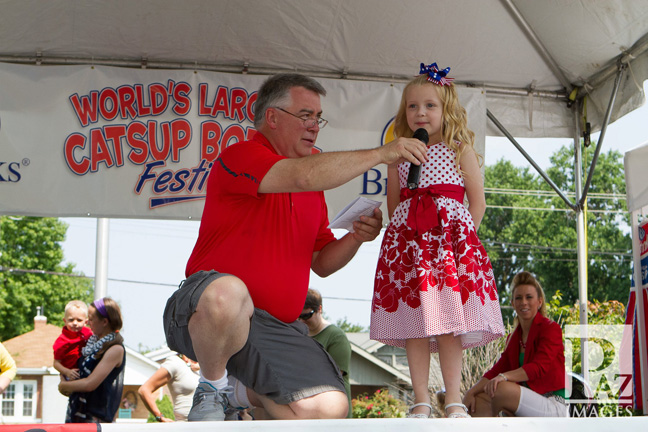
[(264, 227)]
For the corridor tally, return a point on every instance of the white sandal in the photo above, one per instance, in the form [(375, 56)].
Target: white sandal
[(457, 414), (410, 414)]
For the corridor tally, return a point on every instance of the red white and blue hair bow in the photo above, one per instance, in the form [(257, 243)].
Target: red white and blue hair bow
[(435, 75)]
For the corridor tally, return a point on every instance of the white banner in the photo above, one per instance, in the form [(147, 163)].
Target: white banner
[(135, 143)]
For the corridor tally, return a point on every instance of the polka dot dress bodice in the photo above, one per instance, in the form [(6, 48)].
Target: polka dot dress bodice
[(436, 282), (440, 168)]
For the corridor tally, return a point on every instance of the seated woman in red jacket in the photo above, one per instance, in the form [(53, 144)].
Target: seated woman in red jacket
[(529, 378)]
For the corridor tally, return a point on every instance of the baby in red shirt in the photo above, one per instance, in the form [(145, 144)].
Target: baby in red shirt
[(67, 347)]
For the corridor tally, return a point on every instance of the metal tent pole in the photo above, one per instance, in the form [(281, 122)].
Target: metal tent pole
[(581, 197), (535, 40), (581, 242), (101, 260), (606, 121), (255, 70)]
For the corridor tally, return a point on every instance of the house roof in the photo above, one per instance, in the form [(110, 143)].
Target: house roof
[(34, 349), (379, 363), (160, 354), (363, 341)]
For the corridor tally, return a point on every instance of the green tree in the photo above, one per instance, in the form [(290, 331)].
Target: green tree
[(504, 228), (609, 249), (348, 327), (32, 273), (166, 408), (527, 226)]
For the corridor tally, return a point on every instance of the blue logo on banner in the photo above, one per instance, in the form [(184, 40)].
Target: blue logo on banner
[(10, 171)]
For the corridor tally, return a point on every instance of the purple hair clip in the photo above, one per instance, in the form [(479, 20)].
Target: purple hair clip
[(436, 76), (101, 307)]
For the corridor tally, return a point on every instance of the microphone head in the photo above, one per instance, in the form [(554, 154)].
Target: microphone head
[(415, 170), (421, 135)]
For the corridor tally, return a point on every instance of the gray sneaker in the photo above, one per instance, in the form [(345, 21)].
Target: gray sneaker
[(209, 403), (237, 413), (231, 413)]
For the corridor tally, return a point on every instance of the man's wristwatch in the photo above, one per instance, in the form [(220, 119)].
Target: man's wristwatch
[(159, 417)]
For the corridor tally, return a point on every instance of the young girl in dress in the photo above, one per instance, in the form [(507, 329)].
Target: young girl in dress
[(434, 289)]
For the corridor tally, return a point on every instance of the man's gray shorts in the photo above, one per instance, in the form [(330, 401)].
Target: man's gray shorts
[(278, 360)]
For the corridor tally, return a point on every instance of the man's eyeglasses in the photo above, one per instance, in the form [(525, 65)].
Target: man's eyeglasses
[(307, 315), (308, 121)]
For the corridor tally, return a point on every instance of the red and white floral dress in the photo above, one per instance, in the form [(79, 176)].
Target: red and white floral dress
[(433, 275)]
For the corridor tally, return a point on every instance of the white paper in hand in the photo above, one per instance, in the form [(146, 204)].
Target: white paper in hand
[(360, 206)]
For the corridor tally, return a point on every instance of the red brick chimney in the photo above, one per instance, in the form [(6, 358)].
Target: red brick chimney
[(39, 320)]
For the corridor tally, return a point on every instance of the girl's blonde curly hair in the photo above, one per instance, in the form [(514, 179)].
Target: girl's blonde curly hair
[(455, 120)]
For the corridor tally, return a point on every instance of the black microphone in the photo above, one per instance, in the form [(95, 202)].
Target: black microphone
[(415, 170)]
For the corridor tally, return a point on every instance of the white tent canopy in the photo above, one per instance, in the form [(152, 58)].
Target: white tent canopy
[(509, 47)]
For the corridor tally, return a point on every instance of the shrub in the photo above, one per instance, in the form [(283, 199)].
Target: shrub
[(598, 313), (166, 408), (381, 404), (608, 312)]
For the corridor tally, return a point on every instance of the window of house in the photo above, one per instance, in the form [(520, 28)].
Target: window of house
[(393, 356), (19, 402)]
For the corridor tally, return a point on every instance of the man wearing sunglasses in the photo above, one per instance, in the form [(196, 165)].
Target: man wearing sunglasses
[(264, 227), (330, 336)]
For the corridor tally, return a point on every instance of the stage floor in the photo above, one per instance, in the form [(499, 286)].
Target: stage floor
[(531, 424), (627, 424)]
